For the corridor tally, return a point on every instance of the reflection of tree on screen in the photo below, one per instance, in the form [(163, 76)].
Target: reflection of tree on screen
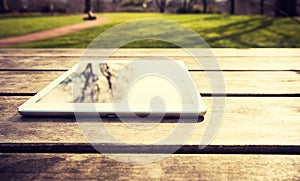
[(105, 71), (113, 82), (91, 83), (93, 87)]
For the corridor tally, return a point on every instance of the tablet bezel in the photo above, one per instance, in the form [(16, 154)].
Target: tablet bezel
[(32, 108)]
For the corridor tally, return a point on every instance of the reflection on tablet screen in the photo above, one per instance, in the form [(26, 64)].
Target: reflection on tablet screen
[(104, 82)]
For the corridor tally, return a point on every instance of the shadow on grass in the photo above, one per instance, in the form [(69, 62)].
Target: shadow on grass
[(238, 34), (233, 32)]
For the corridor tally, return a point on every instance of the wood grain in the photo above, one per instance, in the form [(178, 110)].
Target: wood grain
[(245, 82), (56, 62), (174, 167), (247, 121), (257, 126)]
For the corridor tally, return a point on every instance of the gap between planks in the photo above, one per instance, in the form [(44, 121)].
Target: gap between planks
[(112, 148)]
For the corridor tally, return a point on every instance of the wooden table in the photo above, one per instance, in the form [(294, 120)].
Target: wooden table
[(259, 137)]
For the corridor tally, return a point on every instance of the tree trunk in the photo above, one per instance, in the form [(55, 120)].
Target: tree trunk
[(204, 2), (88, 6), (184, 4), (285, 8), (161, 4), (232, 6), (262, 7), (4, 6), (98, 6)]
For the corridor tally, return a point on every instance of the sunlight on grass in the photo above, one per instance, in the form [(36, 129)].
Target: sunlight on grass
[(219, 30), (19, 25)]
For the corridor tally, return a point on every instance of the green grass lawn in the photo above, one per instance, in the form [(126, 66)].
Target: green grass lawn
[(23, 24), (218, 30)]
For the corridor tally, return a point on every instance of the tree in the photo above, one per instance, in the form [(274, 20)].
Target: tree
[(99, 6), (161, 4), (262, 7), (204, 2), (4, 6), (88, 10), (187, 6), (88, 6), (285, 8), (232, 6)]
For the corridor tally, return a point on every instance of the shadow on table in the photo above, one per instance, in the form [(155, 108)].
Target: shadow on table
[(19, 118)]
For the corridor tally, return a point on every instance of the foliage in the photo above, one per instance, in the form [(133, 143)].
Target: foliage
[(186, 7), (127, 3)]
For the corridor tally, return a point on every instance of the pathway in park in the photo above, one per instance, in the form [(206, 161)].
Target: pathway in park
[(16, 40)]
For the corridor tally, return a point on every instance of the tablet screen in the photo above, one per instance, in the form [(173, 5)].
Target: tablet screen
[(112, 81)]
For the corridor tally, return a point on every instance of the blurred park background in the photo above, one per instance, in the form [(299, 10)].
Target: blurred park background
[(222, 23)]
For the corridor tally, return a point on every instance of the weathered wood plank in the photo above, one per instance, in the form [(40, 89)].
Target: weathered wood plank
[(37, 63), (247, 121), (226, 63), (174, 167), (232, 52), (240, 82), (26, 82), (250, 124)]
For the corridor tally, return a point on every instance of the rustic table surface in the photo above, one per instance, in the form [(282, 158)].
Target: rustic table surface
[(259, 137)]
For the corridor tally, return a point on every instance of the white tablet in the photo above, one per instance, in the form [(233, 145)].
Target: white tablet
[(112, 88)]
